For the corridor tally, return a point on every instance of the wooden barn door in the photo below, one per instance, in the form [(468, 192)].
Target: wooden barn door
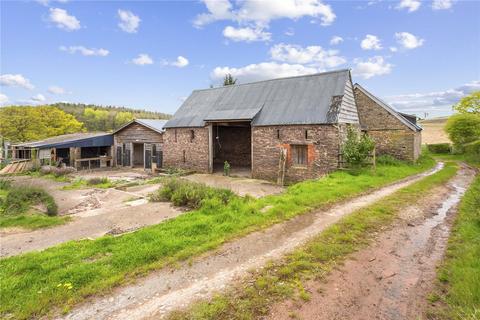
[(119, 156), (127, 154), (148, 156)]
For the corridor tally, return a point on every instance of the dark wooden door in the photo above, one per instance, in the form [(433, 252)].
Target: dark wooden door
[(119, 156), (148, 156)]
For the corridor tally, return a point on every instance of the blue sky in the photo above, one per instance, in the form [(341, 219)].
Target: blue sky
[(420, 56)]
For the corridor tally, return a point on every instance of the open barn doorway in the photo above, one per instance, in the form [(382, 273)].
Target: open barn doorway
[(138, 154), (232, 143)]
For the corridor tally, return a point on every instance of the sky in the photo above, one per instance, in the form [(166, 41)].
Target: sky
[(419, 56)]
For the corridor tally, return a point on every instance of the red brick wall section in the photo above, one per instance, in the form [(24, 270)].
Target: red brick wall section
[(196, 151), (323, 148)]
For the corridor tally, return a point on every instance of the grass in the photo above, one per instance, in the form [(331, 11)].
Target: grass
[(29, 281), (51, 176), (80, 183), (286, 278), (459, 276), (31, 221)]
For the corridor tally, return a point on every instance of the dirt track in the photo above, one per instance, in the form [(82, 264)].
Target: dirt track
[(168, 289), (389, 280)]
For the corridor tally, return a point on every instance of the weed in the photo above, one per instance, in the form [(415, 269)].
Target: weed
[(19, 200)]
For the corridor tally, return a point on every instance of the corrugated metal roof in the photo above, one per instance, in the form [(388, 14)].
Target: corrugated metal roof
[(154, 124), (380, 102), (63, 139), (294, 100)]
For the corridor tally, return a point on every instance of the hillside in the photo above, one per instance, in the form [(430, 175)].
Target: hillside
[(433, 131), (106, 118)]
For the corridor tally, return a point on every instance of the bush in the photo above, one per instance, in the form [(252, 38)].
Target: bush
[(444, 148), (356, 150), (19, 200), (462, 129), (5, 184), (388, 160), (190, 194), (97, 180)]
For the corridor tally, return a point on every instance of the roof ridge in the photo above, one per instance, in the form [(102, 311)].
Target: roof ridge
[(275, 79)]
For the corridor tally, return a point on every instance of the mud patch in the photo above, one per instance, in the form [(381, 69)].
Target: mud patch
[(392, 277)]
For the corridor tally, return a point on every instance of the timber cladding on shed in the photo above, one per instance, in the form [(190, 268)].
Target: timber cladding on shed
[(394, 133), (139, 143), (253, 125)]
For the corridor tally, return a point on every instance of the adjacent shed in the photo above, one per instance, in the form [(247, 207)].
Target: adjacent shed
[(289, 128), (139, 144), (396, 134), (79, 150)]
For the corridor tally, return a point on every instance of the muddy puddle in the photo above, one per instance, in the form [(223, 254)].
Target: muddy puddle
[(391, 279), (163, 291)]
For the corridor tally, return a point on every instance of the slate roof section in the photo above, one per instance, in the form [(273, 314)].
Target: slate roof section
[(154, 124), (81, 139), (398, 115), (293, 100)]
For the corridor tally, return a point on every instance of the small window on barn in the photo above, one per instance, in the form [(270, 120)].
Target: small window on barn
[(307, 136), (175, 135), (192, 135), (184, 156), (299, 154), (278, 134)]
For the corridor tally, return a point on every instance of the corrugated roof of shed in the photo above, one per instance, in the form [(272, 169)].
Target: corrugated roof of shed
[(65, 138), (293, 100)]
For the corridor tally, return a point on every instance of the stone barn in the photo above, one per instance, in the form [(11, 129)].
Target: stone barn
[(289, 129), (396, 134), (139, 144)]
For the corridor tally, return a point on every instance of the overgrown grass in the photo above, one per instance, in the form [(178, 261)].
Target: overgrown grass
[(32, 221), (51, 176), (20, 199), (97, 182), (459, 276), (190, 194), (29, 281), (286, 278)]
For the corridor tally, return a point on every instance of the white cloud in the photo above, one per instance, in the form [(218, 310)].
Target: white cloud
[(290, 32), (56, 90), (314, 56), (47, 2), (375, 66), (408, 40), (129, 22), (393, 49), (246, 34), (181, 62), (442, 4), (142, 59), (63, 20), (336, 40), (3, 99), (262, 71), (432, 101), (15, 80), (38, 98), (85, 51), (262, 12), (371, 42), (410, 5)]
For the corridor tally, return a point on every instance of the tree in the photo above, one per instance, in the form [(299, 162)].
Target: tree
[(469, 104), (97, 119), (463, 128), (27, 123), (357, 149), (122, 118), (229, 80)]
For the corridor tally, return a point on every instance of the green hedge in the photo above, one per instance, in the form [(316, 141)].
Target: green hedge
[(439, 148)]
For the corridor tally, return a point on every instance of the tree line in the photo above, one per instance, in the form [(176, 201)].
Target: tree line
[(29, 123)]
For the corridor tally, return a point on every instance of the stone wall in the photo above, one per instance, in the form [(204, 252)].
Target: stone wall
[(322, 141), (391, 136), (181, 151)]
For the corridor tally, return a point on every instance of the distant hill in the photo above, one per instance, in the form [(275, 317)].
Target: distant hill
[(106, 118)]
